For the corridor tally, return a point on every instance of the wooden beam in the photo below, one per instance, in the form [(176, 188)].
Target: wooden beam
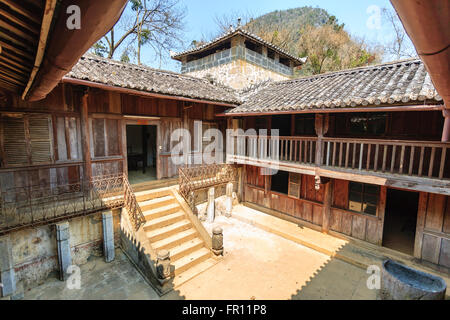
[(420, 226), (18, 21), (49, 11), (20, 50), (382, 108), (86, 137), (16, 6), (381, 213)]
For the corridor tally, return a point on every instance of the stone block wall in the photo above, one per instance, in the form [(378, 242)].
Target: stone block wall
[(35, 249), (238, 68)]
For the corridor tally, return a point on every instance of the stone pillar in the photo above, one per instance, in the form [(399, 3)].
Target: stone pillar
[(64, 253), (108, 236), (229, 200), (210, 211), (217, 241), (7, 274)]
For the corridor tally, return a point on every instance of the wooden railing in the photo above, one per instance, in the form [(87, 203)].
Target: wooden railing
[(36, 205), (413, 158), (201, 177)]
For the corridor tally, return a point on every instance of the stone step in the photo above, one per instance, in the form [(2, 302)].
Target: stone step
[(194, 271), (165, 232), (191, 260), (185, 248), (152, 194), (161, 211), (157, 203), (164, 221), (175, 240)]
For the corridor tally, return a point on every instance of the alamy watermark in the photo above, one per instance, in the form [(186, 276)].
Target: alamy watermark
[(211, 147), (73, 22)]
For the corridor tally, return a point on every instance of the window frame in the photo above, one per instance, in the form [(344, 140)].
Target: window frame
[(363, 194)]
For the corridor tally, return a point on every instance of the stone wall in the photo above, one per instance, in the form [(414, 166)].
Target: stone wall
[(35, 250), (238, 68)]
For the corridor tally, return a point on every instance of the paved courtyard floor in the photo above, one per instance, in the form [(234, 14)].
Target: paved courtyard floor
[(256, 265)]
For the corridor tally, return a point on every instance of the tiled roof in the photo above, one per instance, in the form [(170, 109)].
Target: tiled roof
[(401, 82), (245, 33), (142, 78)]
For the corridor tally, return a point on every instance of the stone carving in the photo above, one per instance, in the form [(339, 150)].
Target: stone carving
[(163, 264), (217, 241)]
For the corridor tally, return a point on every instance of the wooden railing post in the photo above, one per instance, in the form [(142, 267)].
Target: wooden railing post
[(321, 127)]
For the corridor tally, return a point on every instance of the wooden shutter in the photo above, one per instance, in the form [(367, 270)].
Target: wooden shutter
[(40, 140), (294, 184), (14, 143)]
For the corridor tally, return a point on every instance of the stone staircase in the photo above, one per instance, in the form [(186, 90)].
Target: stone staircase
[(168, 227)]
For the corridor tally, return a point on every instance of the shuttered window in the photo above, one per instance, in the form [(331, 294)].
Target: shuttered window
[(40, 143), (26, 140), (294, 184), (14, 143)]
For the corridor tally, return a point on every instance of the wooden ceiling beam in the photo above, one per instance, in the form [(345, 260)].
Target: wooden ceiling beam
[(14, 32), (8, 45), (19, 21), (49, 12), (10, 79), (14, 5), (9, 86), (14, 63), (12, 68)]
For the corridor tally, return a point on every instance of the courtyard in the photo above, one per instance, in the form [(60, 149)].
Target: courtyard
[(256, 265)]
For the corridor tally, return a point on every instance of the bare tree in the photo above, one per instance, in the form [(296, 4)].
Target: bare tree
[(156, 23), (400, 46)]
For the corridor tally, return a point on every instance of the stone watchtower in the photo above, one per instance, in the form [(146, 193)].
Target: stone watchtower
[(238, 59)]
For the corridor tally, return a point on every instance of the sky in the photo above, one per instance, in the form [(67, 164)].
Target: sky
[(359, 16)]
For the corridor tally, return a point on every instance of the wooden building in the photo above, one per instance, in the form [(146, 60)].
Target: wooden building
[(360, 154)]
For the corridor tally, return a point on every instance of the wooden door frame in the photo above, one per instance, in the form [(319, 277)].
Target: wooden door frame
[(138, 122)]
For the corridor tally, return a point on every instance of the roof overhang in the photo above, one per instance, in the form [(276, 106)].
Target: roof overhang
[(144, 94), (433, 107), (37, 48), (427, 24)]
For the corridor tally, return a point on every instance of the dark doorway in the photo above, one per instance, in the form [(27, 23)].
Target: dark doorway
[(282, 123), (141, 153), (400, 220)]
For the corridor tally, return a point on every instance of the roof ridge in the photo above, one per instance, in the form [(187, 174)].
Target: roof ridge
[(351, 70), (232, 32)]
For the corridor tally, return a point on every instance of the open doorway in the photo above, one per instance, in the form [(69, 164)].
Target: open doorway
[(400, 220), (141, 153)]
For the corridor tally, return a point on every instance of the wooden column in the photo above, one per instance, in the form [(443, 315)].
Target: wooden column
[(421, 214), (86, 137), (381, 213), (327, 203), (446, 129), (321, 127)]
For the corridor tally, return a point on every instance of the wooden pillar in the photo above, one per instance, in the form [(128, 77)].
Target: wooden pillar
[(421, 214), (327, 203), (86, 137), (321, 127), (446, 129), (381, 213)]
